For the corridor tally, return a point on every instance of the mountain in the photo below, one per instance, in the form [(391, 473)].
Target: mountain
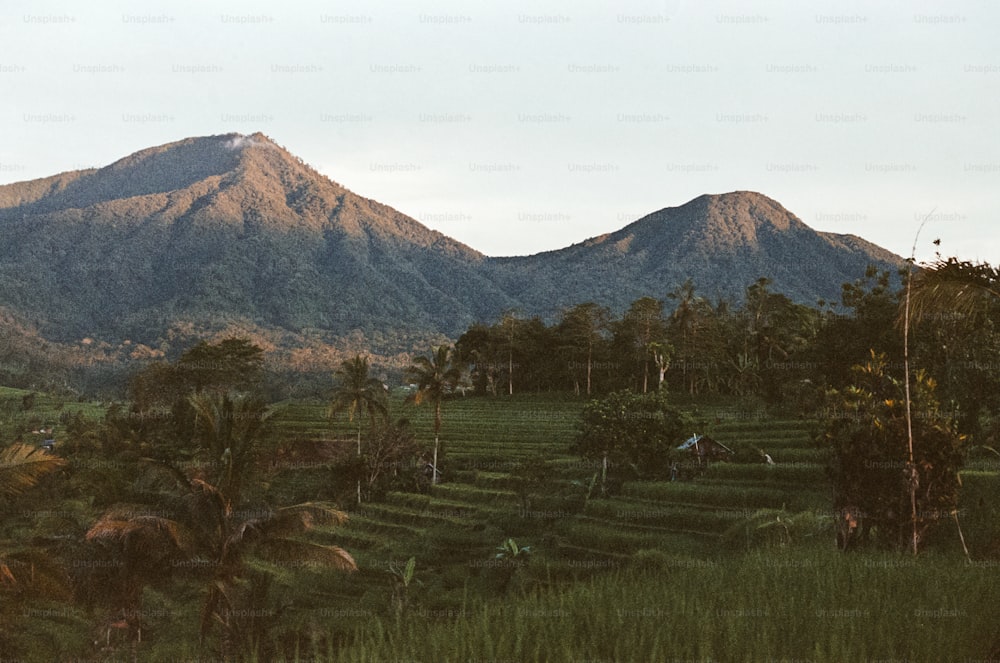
[(223, 229), (722, 242), (208, 233)]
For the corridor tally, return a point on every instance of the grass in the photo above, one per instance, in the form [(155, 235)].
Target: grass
[(813, 604), (645, 575)]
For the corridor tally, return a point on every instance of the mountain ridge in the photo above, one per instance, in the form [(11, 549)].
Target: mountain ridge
[(233, 228)]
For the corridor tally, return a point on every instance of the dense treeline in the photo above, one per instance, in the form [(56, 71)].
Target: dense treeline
[(770, 348)]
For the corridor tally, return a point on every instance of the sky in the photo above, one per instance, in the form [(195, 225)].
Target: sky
[(518, 127)]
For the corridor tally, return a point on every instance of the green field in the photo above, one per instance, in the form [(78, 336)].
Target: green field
[(736, 563), (650, 573)]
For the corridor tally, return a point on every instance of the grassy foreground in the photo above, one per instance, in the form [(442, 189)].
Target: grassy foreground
[(800, 605)]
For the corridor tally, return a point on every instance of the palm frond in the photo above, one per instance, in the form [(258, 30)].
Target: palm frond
[(953, 285), (289, 520), (22, 466), (178, 475), (149, 531), (217, 603), (287, 551), (36, 573)]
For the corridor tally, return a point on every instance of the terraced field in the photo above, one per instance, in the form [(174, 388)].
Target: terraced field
[(645, 568), (490, 443), (22, 410)]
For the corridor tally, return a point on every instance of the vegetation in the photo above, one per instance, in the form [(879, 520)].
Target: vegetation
[(202, 519), (357, 392), (435, 377)]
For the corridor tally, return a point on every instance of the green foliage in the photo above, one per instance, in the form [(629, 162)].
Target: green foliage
[(358, 392), (806, 604), (391, 459), (636, 434), (583, 331), (872, 472), (436, 377), (869, 323), (509, 549), (22, 466)]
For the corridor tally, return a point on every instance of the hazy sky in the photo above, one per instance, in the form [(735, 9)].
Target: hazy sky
[(518, 127)]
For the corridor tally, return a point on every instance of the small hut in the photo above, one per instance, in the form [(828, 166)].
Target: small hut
[(705, 449)]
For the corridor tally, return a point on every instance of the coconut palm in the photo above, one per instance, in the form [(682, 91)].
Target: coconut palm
[(210, 525), (358, 392), (138, 545), (26, 573), (228, 427), (436, 376), (22, 466), (954, 285), (209, 533), (28, 576), (968, 288), (272, 536)]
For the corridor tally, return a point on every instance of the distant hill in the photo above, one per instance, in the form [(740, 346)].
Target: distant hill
[(232, 230), (722, 242)]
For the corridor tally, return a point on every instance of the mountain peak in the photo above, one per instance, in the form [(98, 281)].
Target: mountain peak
[(723, 242), (234, 227)]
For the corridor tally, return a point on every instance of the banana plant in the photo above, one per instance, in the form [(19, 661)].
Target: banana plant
[(509, 550)]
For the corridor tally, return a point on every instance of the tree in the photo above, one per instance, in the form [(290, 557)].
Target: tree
[(232, 364), (357, 391), (635, 433), (874, 479), (391, 449), (696, 333), (210, 520), (956, 285), (847, 339), (436, 377), (23, 466), (955, 332), (582, 329), (662, 354), (643, 331), (770, 331), (481, 346), (512, 345), (26, 573), (228, 428), (138, 545)]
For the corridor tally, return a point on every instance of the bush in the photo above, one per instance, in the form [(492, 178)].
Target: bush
[(634, 434)]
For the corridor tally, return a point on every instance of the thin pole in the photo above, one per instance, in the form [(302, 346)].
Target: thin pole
[(911, 469)]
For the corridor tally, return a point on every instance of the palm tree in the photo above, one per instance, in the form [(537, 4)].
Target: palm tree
[(211, 522), (685, 320), (436, 377), (208, 528), (22, 466), (968, 288), (357, 392), (142, 544), (228, 427), (954, 285), (26, 573), (270, 535)]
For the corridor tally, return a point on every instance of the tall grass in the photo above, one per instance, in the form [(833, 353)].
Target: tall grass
[(815, 605)]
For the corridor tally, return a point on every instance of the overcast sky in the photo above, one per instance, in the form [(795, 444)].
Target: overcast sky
[(518, 127)]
